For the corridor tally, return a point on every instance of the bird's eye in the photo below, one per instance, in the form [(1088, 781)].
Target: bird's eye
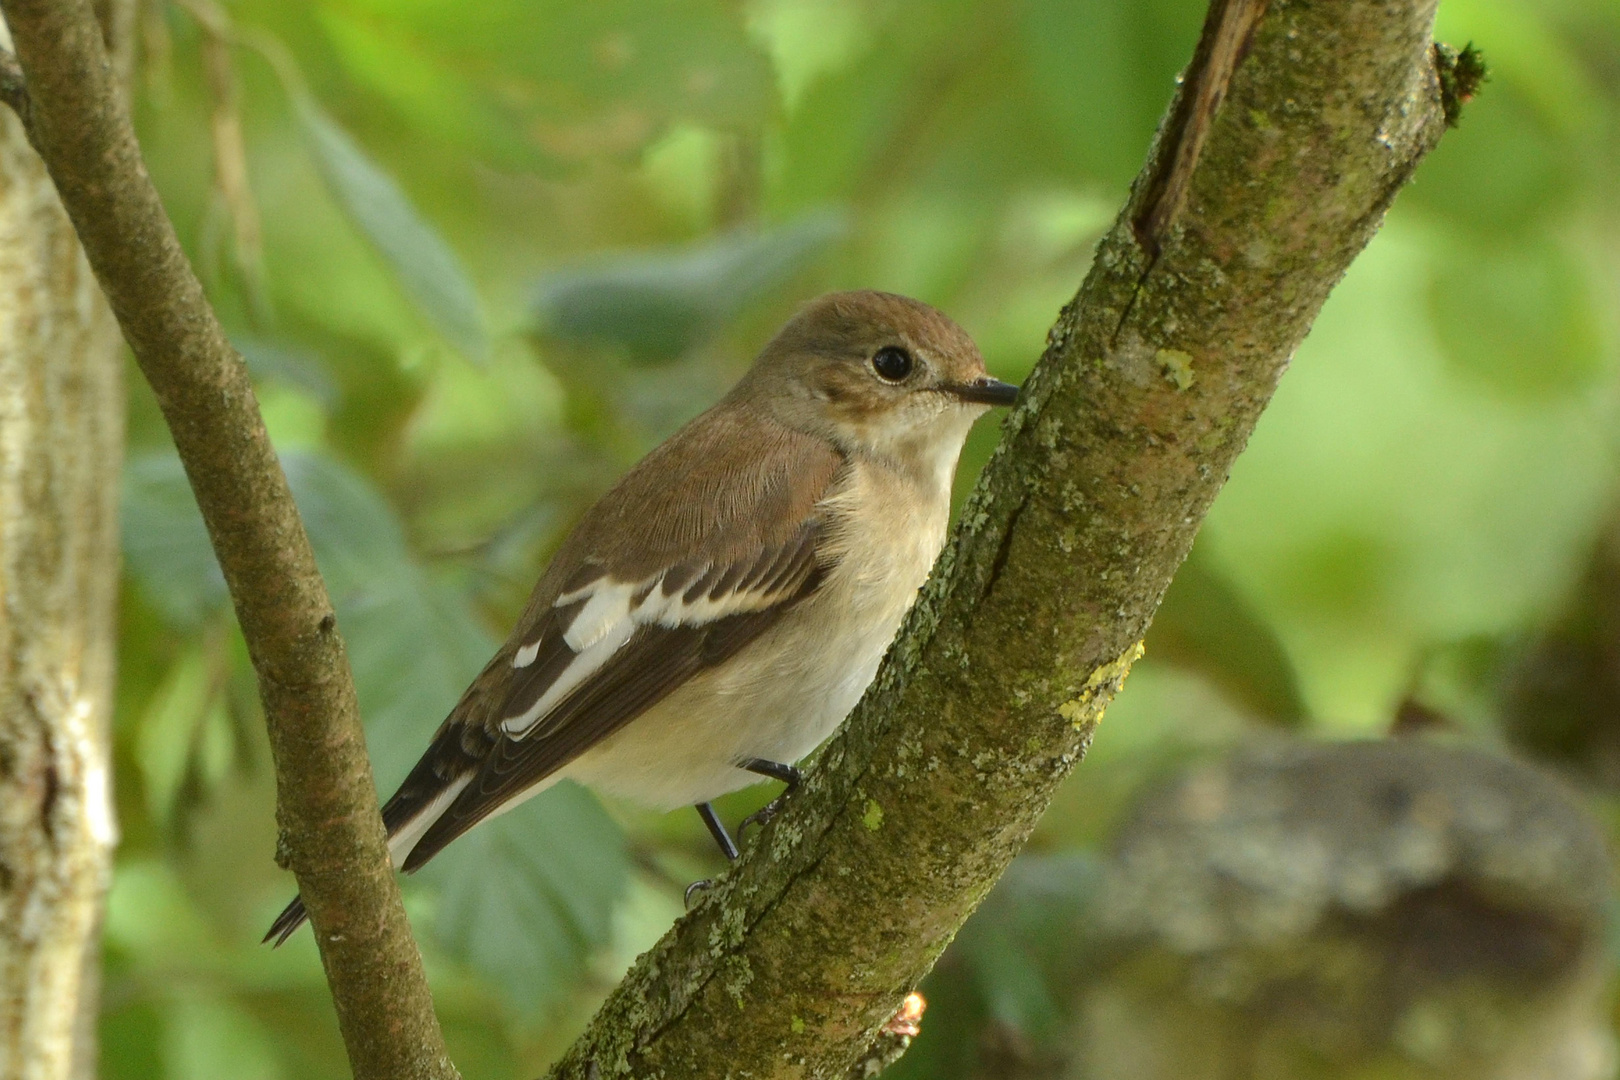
[(892, 363)]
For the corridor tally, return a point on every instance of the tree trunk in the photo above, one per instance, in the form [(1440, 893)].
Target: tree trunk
[(61, 445)]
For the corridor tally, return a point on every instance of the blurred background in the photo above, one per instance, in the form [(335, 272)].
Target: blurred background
[(1353, 815)]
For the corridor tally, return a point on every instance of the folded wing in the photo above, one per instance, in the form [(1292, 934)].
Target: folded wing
[(613, 650), (695, 553)]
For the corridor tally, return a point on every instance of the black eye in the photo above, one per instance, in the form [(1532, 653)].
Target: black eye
[(892, 363)]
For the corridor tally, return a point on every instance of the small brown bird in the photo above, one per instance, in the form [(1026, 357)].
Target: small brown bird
[(717, 613)]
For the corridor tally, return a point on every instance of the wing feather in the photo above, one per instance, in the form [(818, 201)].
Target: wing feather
[(655, 658)]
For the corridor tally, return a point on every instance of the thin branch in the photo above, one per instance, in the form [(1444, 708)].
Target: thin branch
[(1153, 378), (331, 833)]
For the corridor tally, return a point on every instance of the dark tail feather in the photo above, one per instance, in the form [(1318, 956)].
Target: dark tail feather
[(445, 757), (290, 919)]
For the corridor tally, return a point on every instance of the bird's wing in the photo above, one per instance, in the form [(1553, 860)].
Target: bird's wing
[(606, 651), (695, 553), (613, 650)]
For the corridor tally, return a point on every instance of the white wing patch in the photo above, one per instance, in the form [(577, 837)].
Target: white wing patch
[(405, 838), (607, 609), (614, 610), (578, 670)]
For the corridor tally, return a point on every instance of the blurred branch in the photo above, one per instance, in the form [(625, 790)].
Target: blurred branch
[(1287, 154), (1561, 699), (331, 833), (233, 193)]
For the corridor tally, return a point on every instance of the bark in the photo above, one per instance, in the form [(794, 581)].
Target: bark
[(61, 445), (331, 832), (1293, 130)]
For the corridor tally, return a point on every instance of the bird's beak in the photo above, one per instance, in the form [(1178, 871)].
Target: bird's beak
[(985, 391)]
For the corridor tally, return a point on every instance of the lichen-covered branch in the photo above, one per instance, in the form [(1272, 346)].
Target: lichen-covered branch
[(1276, 175), (332, 836)]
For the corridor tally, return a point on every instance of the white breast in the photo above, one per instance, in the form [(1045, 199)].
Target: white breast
[(787, 691)]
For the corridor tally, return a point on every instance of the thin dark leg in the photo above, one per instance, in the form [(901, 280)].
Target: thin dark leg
[(728, 847), (789, 775), (776, 771), (717, 829)]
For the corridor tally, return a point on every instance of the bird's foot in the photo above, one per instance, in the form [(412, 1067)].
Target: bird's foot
[(762, 815), (701, 885), (776, 771)]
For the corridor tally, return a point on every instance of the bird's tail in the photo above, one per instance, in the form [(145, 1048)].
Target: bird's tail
[(291, 918), (406, 816)]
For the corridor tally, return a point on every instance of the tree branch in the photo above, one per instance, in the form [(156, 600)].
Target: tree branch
[(331, 833), (14, 92), (1152, 380)]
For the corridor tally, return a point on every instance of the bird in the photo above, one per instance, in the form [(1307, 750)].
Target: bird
[(715, 615)]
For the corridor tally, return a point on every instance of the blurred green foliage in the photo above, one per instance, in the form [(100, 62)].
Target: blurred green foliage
[(505, 248)]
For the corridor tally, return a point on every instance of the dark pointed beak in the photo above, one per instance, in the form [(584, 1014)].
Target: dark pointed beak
[(985, 391)]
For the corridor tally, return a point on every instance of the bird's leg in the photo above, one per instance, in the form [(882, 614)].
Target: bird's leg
[(728, 847), (789, 775), (717, 829)]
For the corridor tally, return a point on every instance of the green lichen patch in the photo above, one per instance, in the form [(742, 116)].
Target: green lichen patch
[(1177, 367), (873, 818), (1088, 707)]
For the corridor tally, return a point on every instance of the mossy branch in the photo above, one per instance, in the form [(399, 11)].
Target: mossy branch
[(332, 835), (1293, 131)]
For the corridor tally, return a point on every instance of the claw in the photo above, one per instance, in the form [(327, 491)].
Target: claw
[(696, 887), (761, 816), (776, 771)]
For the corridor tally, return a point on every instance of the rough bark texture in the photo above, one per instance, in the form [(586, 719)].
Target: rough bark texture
[(332, 835), (61, 444), (1151, 383)]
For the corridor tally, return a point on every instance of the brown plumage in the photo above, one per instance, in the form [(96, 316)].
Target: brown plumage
[(729, 598)]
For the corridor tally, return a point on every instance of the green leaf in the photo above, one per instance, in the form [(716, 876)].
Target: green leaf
[(1020, 943), (413, 644), (184, 727), (208, 1037), (427, 269), (152, 918), (165, 543), (297, 367), (656, 305), (577, 79), (443, 100), (527, 897)]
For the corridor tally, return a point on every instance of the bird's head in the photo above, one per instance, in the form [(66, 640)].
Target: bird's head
[(877, 374)]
